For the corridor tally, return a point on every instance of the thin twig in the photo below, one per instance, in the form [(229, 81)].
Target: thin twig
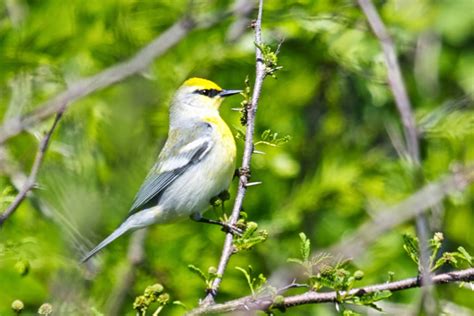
[(404, 107), (118, 72), (264, 303), (31, 180), (228, 248)]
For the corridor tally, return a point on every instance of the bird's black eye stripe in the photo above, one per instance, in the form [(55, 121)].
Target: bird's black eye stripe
[(208, 92)]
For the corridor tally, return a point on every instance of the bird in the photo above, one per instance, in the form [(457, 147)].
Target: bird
[(196, 163)]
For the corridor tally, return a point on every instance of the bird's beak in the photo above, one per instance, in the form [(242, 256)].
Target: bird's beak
[(226, 93)]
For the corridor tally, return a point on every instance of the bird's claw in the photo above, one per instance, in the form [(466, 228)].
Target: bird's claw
[(233, 229)]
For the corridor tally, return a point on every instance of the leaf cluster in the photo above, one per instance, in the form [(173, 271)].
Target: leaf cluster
[(251, 236), (457, 259), (152, 294), (270, 59)]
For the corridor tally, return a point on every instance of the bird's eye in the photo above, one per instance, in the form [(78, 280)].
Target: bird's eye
[(208, 92)]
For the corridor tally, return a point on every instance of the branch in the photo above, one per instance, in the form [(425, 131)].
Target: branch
[(109, 76), (228, 248), (411, 136), (31, 180), (394, 78), (264, 303), (417, 203), (386, 220)]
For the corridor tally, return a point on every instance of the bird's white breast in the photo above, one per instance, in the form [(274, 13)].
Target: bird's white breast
[(193, 190)]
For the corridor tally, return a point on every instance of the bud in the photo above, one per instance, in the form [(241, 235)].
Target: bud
[(212, 270), (23, 267), (153, 290), (45, 309), (164, 298), (17, 306), (438, 237), (358, 275)]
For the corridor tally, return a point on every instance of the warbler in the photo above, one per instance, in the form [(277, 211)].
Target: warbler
[(196, 164)]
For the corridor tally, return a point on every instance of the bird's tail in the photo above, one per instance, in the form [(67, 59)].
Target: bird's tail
[(116, 234)]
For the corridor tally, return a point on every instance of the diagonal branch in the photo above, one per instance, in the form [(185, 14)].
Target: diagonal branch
[(384, 221), (228, 248), (353, 245), (31, 180), (249, 303), (116, 73)]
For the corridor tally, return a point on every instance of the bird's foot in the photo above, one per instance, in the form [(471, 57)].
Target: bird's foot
[(233, 229), (228, 228)]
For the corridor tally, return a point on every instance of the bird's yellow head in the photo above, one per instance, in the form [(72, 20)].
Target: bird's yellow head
[(202, 83), (201, 94)]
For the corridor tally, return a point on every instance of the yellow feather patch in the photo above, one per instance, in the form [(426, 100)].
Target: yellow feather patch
[(201, 83), (223, 130), (225, 140)]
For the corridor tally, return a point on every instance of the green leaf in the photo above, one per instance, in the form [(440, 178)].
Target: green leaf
[(305, 247), (250, 237), (369, 299), (270, 59), (247, 277), (294, 260), (179, 303), (410, 244), (381, 295), (198, 272), (270, 138), (465, 255), (254, 283)]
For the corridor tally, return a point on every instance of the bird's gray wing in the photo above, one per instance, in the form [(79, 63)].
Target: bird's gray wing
[(173, 161)]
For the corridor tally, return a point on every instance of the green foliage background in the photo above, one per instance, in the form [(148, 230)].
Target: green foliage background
[(331, 97)]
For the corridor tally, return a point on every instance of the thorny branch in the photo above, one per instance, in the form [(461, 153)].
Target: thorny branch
[(244, 176), (31, 180), (311, 297)]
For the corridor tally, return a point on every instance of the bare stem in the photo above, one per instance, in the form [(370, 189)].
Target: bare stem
[(248, 303), (228, 248), (31, 180)]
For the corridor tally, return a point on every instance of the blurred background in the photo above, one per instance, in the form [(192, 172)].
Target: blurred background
[(339, 168)]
